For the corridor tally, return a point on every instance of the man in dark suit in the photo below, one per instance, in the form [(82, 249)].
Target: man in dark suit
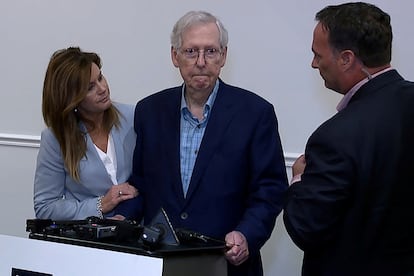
[(210, 153), (350, 205)]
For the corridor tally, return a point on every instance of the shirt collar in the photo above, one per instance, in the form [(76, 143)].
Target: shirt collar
[(210, 100), (347, 97)]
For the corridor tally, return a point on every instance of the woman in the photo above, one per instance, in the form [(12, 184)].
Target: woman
[(85, 155)]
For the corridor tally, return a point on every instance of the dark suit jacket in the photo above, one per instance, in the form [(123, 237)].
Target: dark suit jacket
[(352, 212), (239, 177)]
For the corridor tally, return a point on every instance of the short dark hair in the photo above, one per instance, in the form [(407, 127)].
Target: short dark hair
[(360, 27)]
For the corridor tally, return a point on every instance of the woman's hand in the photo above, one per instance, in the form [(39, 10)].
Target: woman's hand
[(117, 194)]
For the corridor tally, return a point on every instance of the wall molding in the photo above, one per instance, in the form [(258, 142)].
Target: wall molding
[(19, 140), (33, 141)]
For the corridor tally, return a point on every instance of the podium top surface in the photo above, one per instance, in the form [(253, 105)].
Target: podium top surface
[(124, 236), (135, 247)]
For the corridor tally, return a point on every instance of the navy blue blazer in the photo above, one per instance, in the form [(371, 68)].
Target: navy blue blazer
[(239, 177), (352, 211)]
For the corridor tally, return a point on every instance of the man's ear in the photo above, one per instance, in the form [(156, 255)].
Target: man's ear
[(174, 54), (223, 56), (346, 58)]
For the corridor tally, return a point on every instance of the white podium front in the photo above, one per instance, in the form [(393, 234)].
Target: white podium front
[(60, 259)]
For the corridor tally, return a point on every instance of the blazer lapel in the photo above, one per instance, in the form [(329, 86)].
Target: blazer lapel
[(221, 116), (170, 129), (93, 159), (119, 152)]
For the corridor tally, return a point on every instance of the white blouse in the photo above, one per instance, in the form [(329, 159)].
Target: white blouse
[(109, 159)]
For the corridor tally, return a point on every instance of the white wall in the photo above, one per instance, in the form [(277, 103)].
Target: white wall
[(269, 53)]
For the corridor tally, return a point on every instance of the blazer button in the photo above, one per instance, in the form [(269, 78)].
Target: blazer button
[(184, 215)]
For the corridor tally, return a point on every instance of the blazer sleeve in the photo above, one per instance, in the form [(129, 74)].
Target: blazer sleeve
[(269, 182), (49, 185), (315, 205), (131, 209)]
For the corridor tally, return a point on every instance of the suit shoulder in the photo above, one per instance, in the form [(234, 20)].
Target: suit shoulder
[(47, 134), (48, 139), (161, 96), (126, 112), (124, 109), (244, 95)]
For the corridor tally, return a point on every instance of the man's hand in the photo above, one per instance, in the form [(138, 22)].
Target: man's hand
[(237, 248), (299, 166)]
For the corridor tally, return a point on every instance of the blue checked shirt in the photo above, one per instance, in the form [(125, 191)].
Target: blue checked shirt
[(191, 134)]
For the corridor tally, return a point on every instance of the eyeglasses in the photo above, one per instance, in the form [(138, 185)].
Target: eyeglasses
[(209, 54)]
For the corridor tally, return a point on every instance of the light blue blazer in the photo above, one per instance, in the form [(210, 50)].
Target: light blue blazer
[(58, 196)]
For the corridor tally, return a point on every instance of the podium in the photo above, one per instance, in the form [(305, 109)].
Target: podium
[(58, 259), (54, 255)]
